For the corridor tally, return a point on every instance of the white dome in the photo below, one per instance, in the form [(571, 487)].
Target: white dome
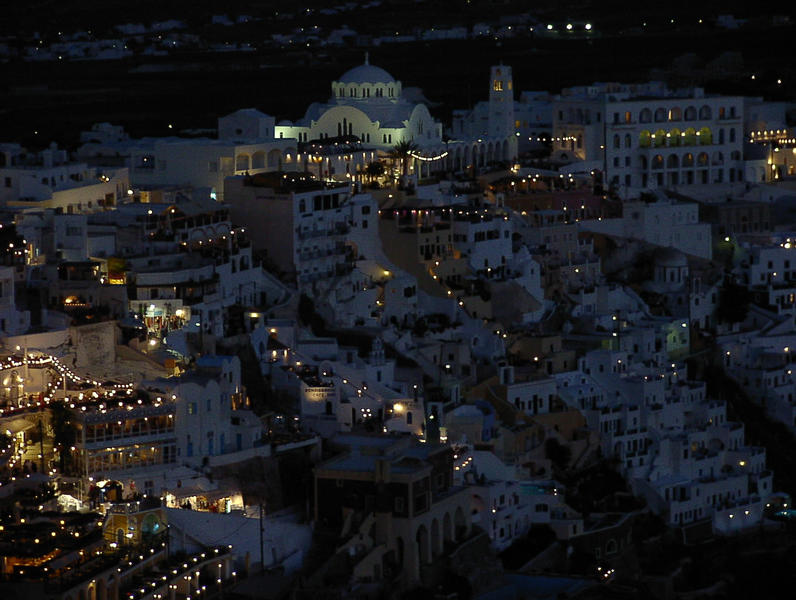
[(366, 73)]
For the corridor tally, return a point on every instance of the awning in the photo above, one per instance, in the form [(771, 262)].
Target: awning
[(17, 425)]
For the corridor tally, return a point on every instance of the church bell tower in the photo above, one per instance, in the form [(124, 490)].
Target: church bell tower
[(501, 102)]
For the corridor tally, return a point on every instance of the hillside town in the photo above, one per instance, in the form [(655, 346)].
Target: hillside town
[(541, 350)]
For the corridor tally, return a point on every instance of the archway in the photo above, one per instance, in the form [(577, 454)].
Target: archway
[(242, 162), (274, 158), (447, 528), (102, 590), (436, 539), (460, 524), (422, 541), (400, 554), (258, 160)]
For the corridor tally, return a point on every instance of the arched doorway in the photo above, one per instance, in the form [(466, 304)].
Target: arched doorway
[(447, 528), (436, 539), (422, 541), (460, 524)]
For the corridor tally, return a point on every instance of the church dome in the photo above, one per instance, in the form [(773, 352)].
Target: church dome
[(366, 73), (670, 258), (364, 82)]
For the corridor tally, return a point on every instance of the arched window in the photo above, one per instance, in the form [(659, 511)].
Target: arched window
[(660, 115), (705, 113), (690, 137), (732, 134), (628, 140), (721, 135), (616, 141), (690, 114), (657, 162), (242, 162), (688, 160), (702, 159), (675, 137), (705, 136), (643, 162), (628, 117), (645, 139), (718, 158), (675, 114), (672, 162), (660, 138), (645, 116), (735, 154)]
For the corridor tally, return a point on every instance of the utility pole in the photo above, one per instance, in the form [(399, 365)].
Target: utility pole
[(262, 559), (41, 445)]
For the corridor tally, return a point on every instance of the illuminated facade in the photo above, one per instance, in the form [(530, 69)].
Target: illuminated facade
[(368, 103), (647, 137), (126, 437)]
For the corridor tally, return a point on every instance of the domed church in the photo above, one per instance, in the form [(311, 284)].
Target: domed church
[(367, 103), (370, 113)]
